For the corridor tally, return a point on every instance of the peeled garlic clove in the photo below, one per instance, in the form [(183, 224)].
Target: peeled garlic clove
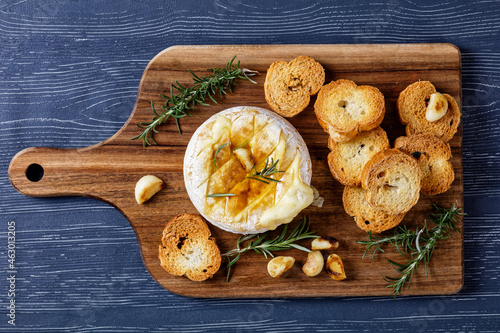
[(438, 105), (314, 264), (279, 265), (335, 267), (327, 243), (245, 158), (146, 187)]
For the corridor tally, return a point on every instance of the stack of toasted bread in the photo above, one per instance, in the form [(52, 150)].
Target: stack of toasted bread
[(382, 183)]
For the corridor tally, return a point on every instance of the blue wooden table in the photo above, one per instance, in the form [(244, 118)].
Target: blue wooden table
[(69, 74)]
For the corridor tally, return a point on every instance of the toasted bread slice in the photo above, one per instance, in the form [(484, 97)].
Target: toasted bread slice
[(392, 180), (289, 85), (344, 109), (412, 106), (187, 248), (366, 217), (433, 156), (347, 159)]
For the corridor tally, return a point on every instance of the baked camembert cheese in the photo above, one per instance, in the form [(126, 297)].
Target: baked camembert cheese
[(223, 157)]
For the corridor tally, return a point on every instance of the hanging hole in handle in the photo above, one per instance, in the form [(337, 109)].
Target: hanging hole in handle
[(34, 172)]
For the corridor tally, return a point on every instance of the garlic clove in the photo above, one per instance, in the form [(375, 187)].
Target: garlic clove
[(146, 187), (314, 264), (335, 267), (279, 265), (243, 155), (327, 243), (437, 107)]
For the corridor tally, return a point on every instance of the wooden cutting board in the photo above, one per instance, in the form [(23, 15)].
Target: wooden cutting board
[(109, 170)]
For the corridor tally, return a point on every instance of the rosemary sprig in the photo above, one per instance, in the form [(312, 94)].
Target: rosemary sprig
[(409, 241), (268, 170), (259, 244), (217, 152), (178, 105)]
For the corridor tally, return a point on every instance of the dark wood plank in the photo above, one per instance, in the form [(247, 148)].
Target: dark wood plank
[(109, 170)]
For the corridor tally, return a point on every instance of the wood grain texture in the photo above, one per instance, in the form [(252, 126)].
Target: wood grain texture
[(108, 171)]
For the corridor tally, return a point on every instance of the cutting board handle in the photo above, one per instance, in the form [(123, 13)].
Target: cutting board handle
[(100, 171), (45, 172)]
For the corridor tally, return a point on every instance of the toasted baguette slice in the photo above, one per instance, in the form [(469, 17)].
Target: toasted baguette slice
[(347, 159), (412, 106), (344, 109), (433, 156), (187, 248), (289, 85), (366, 217), (392, 180)]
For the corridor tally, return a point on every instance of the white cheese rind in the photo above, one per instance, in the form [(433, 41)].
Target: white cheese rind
[(197, 171)]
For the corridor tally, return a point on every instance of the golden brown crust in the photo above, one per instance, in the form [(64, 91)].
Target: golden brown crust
[(412, 106), (433, 157), (288, 86), (347, 159), (188, 248), (366, 217), (392, 180), (345, 109)]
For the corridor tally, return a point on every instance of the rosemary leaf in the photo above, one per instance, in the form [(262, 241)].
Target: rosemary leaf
[(260, 180), (215, 195), (217, 152), (240, 146), (300, 247)]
